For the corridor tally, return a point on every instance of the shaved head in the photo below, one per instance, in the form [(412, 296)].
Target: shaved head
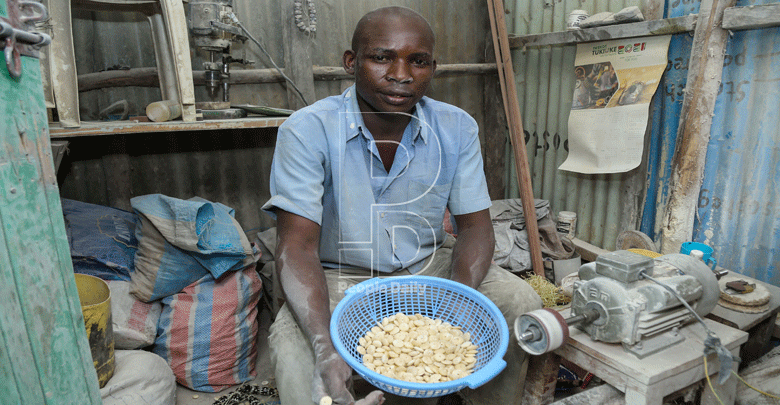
[(407, 15)]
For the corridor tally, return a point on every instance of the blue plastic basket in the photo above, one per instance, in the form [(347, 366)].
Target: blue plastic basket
[(369, 302)]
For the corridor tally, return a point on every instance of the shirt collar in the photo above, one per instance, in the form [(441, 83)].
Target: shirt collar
[(354, 120)]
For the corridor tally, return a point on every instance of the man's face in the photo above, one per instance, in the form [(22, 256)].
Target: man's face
[(393, 64)]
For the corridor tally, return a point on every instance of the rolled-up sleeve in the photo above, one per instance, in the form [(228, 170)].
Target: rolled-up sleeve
[(469, 187), (297, 172)]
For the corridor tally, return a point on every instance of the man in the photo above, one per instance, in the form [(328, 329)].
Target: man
[(360, 183)]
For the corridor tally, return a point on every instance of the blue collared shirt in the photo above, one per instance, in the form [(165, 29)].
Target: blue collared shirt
[(327, 168)]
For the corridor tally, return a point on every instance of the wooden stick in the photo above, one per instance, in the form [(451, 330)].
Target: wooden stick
[(693, 134), (512, 107)]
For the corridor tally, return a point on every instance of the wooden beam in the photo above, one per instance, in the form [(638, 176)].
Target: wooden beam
[(147, 76), (62, 59), (494, 132), (693, 135), (177, 49), (512, 108), (751, 17), (99, 128), (616, 31), (297, 59), (587, 252)]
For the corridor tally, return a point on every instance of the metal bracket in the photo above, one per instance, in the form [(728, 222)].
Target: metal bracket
[(11, 36), (40, 8), (13, 61), (22, 36), (229, 29)]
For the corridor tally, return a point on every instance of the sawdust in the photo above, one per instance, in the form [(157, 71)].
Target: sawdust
[(551, 295)]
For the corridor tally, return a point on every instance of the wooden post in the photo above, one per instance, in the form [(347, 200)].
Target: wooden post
[(46, 357), (693, 135), (62, 61), (495, 132), (178, 49), (297, 59), (512, 108)]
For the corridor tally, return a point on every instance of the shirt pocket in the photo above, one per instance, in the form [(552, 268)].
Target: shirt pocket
[(429, 201)]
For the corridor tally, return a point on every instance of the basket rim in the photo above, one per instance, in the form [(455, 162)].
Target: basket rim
[(474, 380)]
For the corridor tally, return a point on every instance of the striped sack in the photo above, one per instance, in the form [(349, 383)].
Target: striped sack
[(207, 333), (180, 241), (134, 322)]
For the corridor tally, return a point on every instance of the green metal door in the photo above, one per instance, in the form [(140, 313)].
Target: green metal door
[(44, 354)]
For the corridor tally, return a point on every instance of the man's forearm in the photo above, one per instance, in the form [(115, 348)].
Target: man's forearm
[(472, 255), (306, 292)]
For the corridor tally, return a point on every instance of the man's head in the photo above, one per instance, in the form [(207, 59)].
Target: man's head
[(392, 59)]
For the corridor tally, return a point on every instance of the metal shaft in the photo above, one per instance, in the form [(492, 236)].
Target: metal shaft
[(533, 333)]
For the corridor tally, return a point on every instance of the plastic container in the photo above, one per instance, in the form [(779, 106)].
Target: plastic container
[(575, 18), (567, 223), (369, 302), (95, 299), (706, 251)]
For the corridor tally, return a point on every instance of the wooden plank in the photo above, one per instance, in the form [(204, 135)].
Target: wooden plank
[(58, 149), (134, 127), (62, 61), (512, 109), (751, 17), (297, 59), (165, 71), (179, 45), (588, 252), (620, 366), (495, 134), (639, 29), (693, 135), (43, 343)]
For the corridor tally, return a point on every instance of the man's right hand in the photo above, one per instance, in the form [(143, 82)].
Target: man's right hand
[(332, 377)]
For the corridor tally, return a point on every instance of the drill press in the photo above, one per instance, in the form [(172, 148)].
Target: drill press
[(213, 31)]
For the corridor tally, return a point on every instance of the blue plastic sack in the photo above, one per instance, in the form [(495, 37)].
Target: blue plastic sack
[(180, 241), (102, 239)]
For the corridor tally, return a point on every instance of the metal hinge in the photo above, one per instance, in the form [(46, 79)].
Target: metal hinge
[(10, 36)]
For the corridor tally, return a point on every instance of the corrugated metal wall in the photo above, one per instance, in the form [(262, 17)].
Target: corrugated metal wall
[(462, 30), (232, 167), (737, 214), (605, 204), (738, 209), (739, 203)]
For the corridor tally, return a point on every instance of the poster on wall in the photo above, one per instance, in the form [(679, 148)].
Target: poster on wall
[(614, 83)]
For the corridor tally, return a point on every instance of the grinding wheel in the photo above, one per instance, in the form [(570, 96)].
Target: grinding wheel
[(632, 239), (755, 301), (552, 330)]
